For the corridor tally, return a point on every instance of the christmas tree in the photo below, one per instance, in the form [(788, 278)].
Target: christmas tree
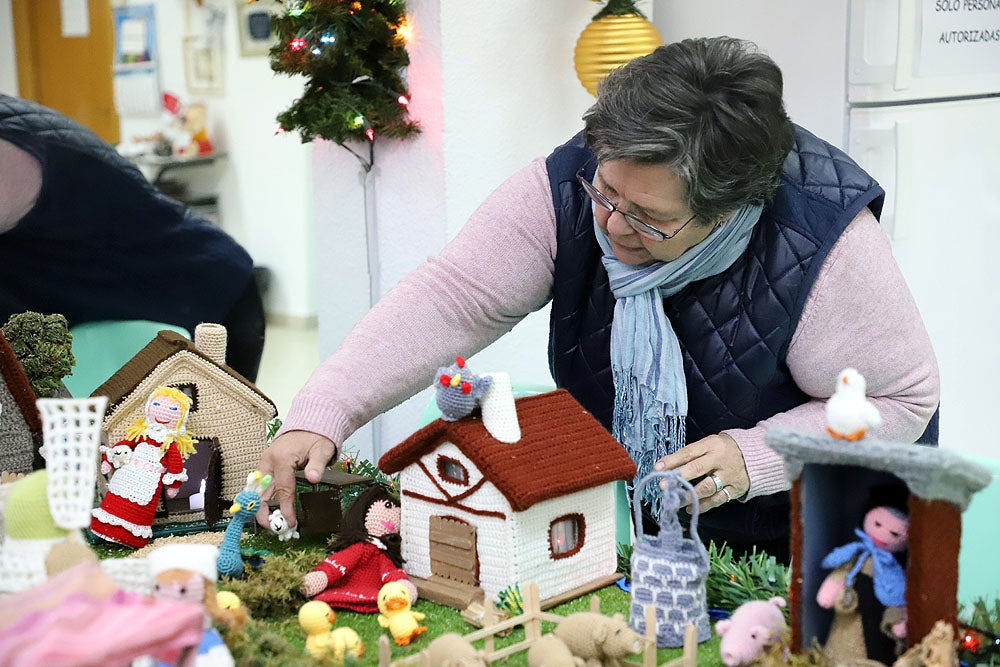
[(352, 53)]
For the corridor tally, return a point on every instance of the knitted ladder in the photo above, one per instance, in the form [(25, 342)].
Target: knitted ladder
[(71, 429)]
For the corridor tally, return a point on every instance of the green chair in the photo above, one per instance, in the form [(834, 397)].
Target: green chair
[(623, 514), (101, 348)]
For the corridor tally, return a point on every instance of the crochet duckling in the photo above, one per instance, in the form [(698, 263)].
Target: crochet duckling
[(394, 605), (849, 414), (316, 618)]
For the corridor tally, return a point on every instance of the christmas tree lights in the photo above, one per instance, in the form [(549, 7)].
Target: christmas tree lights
[(352, 54)]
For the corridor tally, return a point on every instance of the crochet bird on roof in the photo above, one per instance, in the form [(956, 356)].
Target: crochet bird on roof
[(481, 512), (849, 414)]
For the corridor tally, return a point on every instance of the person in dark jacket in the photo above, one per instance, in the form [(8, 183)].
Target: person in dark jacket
[(711, 268), (82, 233)]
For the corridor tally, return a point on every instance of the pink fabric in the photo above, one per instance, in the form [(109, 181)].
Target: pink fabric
[(500, 267), (79, 629)]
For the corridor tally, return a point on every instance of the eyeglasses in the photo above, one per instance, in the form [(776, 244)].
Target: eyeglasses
[(643, 228)]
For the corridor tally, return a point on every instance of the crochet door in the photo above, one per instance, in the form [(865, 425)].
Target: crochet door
[(454, 558)]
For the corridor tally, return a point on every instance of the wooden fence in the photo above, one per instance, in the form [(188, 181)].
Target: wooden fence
[(532, 619)]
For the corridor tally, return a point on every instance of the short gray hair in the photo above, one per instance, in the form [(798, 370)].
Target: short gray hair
[(710, 109)]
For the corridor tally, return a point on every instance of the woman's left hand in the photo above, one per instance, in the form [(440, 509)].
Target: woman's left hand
[(718, 455)]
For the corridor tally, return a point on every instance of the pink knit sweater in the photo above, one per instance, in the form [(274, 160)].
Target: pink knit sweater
[(500, 267)]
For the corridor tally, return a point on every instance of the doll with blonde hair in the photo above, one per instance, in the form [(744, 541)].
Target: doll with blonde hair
[(159, 445)]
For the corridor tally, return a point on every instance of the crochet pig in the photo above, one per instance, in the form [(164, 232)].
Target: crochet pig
[(550, 651), (751, 626), (598, 639), (453, 650)]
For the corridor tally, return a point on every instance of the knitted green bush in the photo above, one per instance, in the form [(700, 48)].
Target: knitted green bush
[(44, 346)]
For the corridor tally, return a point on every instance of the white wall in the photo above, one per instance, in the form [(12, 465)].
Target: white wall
[(493, 87), (265, 184), (810, 83)]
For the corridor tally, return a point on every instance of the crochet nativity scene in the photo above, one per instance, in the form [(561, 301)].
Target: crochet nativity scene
[(495, 516)]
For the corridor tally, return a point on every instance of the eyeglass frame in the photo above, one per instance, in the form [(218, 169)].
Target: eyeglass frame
[(640, 226)]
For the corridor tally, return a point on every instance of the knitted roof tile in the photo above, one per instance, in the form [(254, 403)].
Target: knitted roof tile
[(167, 343), (18, 385), (562, 449)]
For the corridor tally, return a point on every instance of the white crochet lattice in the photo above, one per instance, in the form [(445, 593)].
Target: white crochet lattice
[(132, 574), (499, 412), (71, 429), (22, 563)]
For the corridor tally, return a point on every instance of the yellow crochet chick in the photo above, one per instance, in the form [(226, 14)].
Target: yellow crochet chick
[(345, 642), (403, 624), (316, 618)]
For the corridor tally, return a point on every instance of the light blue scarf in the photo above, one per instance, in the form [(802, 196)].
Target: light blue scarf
[(650, 390)]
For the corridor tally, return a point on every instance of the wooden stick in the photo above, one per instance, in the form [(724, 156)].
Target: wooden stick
[(649, 656), (384, 653), (533, 609)]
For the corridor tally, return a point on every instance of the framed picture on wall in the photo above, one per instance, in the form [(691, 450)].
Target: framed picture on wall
[(202, 67), (253, 21)]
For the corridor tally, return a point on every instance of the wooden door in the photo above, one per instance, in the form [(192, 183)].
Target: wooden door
[(72, 75), (453, 550)]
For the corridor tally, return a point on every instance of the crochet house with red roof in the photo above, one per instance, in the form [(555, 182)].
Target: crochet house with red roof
[(480, 514)]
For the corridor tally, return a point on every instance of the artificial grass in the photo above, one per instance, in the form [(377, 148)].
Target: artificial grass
[(274, 638)]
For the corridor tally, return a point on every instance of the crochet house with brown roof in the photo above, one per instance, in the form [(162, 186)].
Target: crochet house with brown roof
[(479, 513), (831, 483), (228, 417), (20, 423)]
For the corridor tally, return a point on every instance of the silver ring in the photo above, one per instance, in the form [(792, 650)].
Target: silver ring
[(719, 486), (725, 490)]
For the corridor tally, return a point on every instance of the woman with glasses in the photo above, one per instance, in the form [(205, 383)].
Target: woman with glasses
[(711, 268)]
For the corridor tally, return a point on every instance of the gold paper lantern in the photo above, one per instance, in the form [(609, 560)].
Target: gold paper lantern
[(608, 43)]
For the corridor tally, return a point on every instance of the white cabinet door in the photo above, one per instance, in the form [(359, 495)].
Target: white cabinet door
[(940, 166)]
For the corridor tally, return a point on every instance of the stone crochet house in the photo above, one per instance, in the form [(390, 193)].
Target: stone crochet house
[(228, 418), (479, 513), (828, 473), (20, 423)]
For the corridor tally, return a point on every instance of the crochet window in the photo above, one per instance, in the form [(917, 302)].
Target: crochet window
[(452, 471), (566, 535), (191, 391)]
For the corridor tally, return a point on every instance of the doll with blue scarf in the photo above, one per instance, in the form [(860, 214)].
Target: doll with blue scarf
[(867, 585)]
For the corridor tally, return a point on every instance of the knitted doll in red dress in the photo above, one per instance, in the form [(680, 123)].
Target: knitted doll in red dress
[(365, 556), (157, 444)]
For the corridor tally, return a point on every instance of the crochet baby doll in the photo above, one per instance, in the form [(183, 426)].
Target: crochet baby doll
[(187, 573), (366, 555), (159, 445), (866, 590)]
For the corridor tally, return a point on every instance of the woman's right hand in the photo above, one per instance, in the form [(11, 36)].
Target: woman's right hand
[(289, 452)]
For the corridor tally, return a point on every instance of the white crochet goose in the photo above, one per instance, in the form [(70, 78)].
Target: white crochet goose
[(848, 413)]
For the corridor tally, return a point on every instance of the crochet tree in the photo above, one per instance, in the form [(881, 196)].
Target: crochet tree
[(352, 54), (44, 346)]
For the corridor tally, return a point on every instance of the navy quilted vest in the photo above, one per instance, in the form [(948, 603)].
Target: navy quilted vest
[(734, 328), (98, 221)]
